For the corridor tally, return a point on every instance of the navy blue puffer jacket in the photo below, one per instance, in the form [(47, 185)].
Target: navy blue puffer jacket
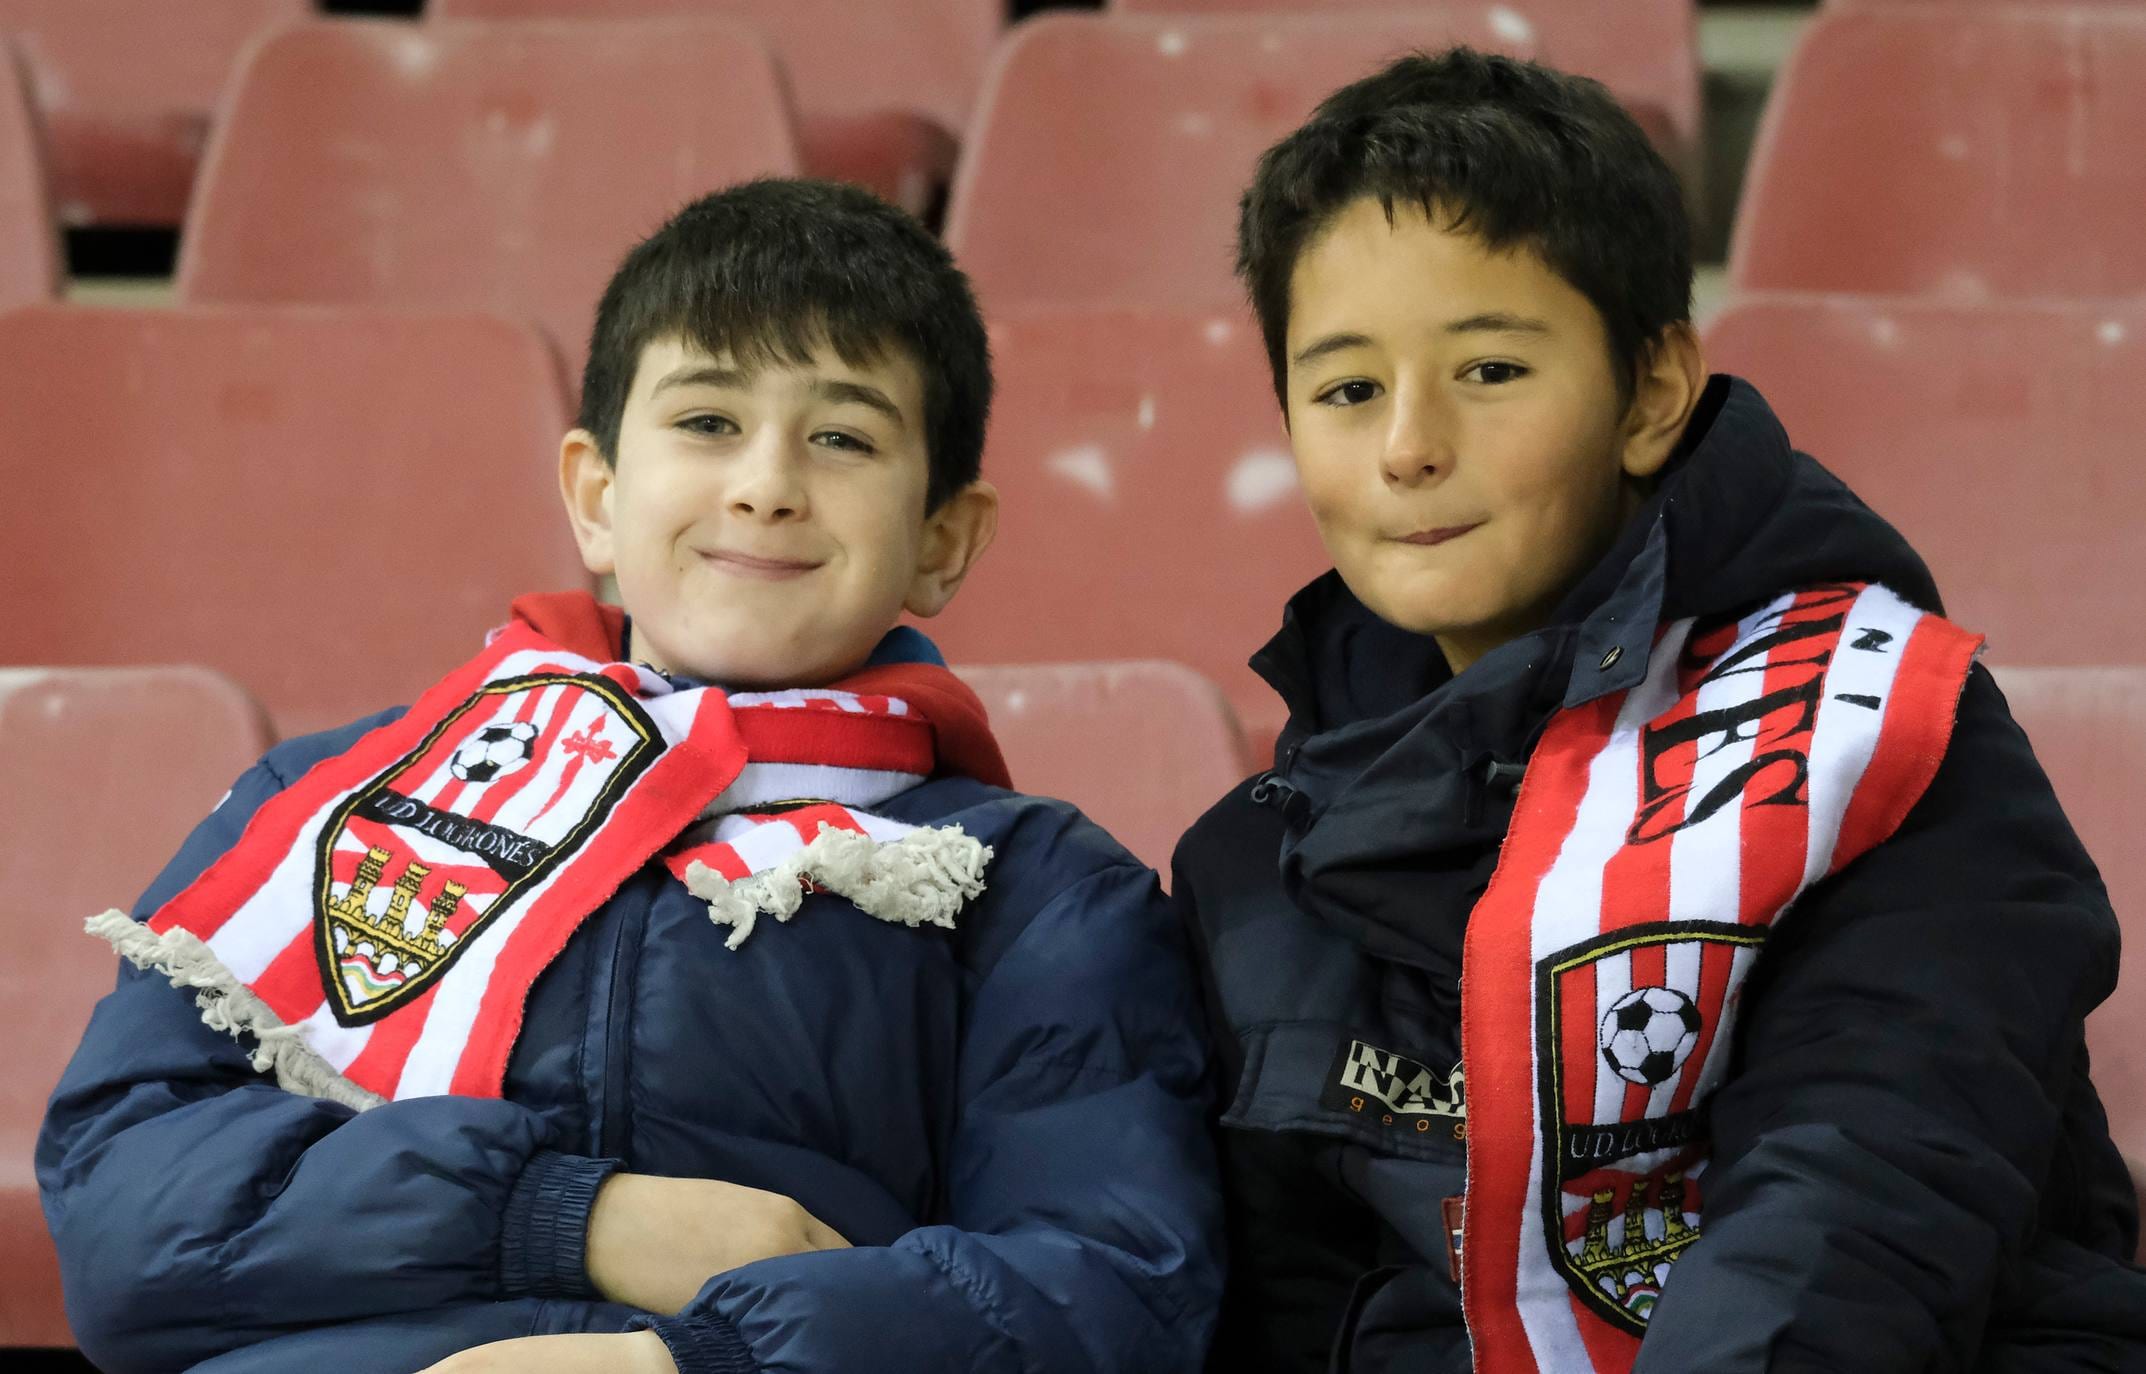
[(1003, 1119)]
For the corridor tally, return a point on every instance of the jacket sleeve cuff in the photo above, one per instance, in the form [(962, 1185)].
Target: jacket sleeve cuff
[(704, 1343), (543, 1240)]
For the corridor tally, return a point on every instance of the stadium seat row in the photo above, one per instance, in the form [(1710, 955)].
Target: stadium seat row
[(1913, 149)]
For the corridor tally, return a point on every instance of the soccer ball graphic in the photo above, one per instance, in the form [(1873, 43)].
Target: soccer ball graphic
[(494, 752), (1648, 1035)]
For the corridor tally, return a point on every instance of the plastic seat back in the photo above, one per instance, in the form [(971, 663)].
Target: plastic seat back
[(128, 89), (102, 774), (1110, 150), (331, 506), (1150, 505), (29, 241), (1649, 57), (1953, 150), (2088, 727), (2002, 440), (1141, 748), (844, 58), (472, 166)]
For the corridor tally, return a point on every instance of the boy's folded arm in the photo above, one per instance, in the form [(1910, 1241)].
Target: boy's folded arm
[(1083, 1217), (198, 1207), (1895, 1101)]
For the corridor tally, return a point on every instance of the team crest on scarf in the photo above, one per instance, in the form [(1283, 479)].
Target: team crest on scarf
[(1659, 834), (417, 863)]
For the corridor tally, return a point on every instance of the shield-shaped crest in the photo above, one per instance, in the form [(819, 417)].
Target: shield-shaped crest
[(416, 864), (1629, 1050)]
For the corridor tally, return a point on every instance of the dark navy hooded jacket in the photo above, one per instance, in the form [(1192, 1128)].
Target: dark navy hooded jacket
[(1911, 1172), (1002, 1119)]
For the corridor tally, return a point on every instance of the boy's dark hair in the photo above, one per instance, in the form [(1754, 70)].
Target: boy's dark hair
[(1509, 151), (767, 270)]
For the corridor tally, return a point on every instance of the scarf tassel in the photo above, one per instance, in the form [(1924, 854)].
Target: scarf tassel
[(230, 1006), (923, 878)]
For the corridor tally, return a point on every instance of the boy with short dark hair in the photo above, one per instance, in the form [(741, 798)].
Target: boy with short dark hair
[(1654, 947), (433, 1054)]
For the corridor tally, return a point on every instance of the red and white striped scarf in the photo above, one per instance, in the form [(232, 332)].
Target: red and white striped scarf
[(1658, 834), (378, 926)]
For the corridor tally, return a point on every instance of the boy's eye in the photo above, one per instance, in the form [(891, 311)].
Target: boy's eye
[(1495, 373), (708, 424), (840, 439), (1350, 393)]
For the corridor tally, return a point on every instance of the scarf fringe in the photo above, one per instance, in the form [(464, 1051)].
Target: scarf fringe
[(923, 878), (230, 1006)]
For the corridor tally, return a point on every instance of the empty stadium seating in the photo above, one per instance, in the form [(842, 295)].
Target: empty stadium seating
[(500, 167), (1150, 504), (1109, 150), (29, 247), (1963, 151), (1142, 748), (331, 506), (107, 770), (2088, 726), (883, 90), (2002, 440), (1648, 56), (127, 89)]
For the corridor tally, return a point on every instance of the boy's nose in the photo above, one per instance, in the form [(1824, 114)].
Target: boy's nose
[(1419, 442), (765, 483)]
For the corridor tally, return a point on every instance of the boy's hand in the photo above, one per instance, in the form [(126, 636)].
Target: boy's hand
[(653, 1241), (637, 1352)]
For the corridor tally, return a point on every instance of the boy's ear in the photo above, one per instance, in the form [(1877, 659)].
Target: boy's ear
[(1667, 390), (955, 536), (585, 484)]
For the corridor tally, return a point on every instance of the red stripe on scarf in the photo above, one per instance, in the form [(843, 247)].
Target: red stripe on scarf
[(839, 739), (1499, 974), (387, 1048), (1937, 658)]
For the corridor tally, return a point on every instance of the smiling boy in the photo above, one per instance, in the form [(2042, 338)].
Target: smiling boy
[(675, 989), (1654, 947)]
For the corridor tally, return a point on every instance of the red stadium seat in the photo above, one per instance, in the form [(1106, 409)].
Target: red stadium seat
[(1953, 150), (1142, 748), (499, 167), (883, 90), (2088, 726), (1110, 150), (2003, 440), (1649, 56), (1150, 504), (107, 770), (331, 506), (29, 246), (127, 88)]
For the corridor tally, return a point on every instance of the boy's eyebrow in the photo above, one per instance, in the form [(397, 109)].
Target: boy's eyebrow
[(704, 375), (1498, 322), (828, 389), (1332, 343), (823, 388)]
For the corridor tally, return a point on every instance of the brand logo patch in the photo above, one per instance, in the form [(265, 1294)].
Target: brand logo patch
[(444, 844), (1395, 1090)]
